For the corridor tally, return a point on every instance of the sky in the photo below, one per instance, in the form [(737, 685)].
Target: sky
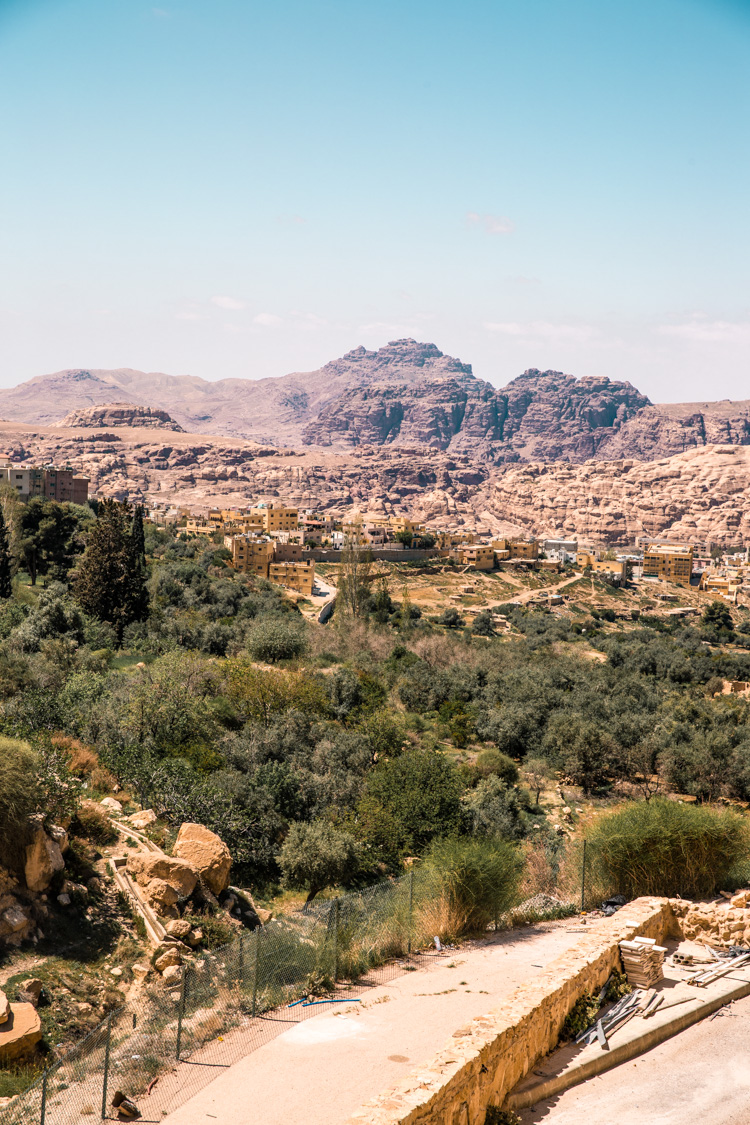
[(234, 188)]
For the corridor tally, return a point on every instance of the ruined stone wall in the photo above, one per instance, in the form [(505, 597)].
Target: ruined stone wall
[(488, 1057)]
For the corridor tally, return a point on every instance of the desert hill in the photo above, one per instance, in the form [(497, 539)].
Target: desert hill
[(697, 494), (119, 414), (405, 394)]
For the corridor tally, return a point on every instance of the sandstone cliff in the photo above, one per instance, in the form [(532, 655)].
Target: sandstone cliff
[(119, 414)]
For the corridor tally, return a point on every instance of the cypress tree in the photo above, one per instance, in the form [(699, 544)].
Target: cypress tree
[(111, 580), (139, 539), (6, 585)]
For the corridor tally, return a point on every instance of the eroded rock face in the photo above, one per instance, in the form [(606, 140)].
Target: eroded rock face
[(206, 853), (119, 414), (43, 859), (149, 866)]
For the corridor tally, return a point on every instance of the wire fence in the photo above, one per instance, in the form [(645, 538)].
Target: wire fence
[(228, 1002)]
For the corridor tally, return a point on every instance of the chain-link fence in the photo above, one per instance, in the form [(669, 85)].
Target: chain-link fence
[(233, 999)]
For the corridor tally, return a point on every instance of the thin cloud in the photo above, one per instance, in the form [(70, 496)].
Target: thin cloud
[(493, 224), (544, 330), (709, 331), (267, 320), (228, 303)]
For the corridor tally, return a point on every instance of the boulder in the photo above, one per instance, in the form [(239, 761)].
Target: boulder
[(60, 836), (64, 899), (142, 819), (170, 957), (179, 929), (741, 899), (140, 972), (146, 866), (207, 853), (160, 895), (4, 1008), (20, 1033), (14, 919), (43, 860), (29, 991), (111, 803), (172, 975)]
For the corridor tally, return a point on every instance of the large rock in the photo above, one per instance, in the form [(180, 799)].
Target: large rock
[(4, 1007), (43, 860), (30, 991), (20, 1033), (161, 897), (207, 853), (142, 819), (147, 866)]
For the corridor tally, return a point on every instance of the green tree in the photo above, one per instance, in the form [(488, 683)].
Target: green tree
[(718, 617), (356, 565), (46, 539), (139, 538), (317, 855), (111, 581), (276, 638), (409, 800), (6, 585)]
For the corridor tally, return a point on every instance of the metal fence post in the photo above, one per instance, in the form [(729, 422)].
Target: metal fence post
[(411, 903), (106, 1065), (241, 961), (255, 968), (583, 879), (44, 1096), (181, 1013), (335, 940)]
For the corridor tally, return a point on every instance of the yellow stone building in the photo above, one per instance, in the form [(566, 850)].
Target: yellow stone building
[(297, 576), (672, 563), (272, 518)]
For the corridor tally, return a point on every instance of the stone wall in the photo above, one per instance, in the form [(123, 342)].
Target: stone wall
[(488, 1057)]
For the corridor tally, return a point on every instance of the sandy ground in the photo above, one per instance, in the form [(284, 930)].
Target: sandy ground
[(699, 1077), (321, 1070)]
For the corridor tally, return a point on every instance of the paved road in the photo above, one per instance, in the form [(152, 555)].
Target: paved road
[(699, 1077), (321, 1070)]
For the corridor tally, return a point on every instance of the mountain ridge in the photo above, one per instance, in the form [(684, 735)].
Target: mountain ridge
[(405, 394)]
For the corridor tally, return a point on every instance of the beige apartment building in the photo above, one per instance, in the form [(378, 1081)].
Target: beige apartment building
[(272, 518), (250, 555), (672, 563), (479, 555), (526, 549), (613, 568), (297, 576)]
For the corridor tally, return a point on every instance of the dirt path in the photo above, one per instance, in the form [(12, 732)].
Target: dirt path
[(526, 595), (321, 1070)]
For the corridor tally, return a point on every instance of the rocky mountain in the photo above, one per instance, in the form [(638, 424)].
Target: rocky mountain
[(404, 395), (697, 494), (119, 414)]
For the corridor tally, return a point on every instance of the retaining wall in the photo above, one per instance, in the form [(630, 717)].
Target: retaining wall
[(321, 554), (488, 1057)]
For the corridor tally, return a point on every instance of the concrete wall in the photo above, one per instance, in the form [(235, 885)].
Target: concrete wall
[(387, 554), (485, 1060)]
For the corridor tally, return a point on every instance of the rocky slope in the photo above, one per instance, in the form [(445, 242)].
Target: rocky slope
[(119, 414), (699, 494)]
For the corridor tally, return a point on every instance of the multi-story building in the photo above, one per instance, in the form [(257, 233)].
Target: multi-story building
[(297, 576), (527, 549), (276, 519), (63, 485), (615, 570), (479, 555), (250, 555), (722, 585), (672, 563)]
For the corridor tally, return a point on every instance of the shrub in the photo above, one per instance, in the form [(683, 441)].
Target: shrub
[(494, 809), (494, 763), (663, 847), (274, 639), (474, 881), (18, 785), (451, 618), (82, 759), (92, 823), (484, 625)]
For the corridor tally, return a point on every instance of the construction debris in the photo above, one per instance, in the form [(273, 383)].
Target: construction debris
[(707, 976), (613, 1020), (643, 961)]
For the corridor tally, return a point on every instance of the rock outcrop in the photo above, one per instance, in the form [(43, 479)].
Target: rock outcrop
[(206, 853), (119, 414), (44, 859)]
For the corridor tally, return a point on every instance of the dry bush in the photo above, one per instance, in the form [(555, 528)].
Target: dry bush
[(92, 823), (82, 759), (103, 781)]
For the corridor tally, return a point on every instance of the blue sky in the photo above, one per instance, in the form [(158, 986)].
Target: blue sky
[(230, 188)]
